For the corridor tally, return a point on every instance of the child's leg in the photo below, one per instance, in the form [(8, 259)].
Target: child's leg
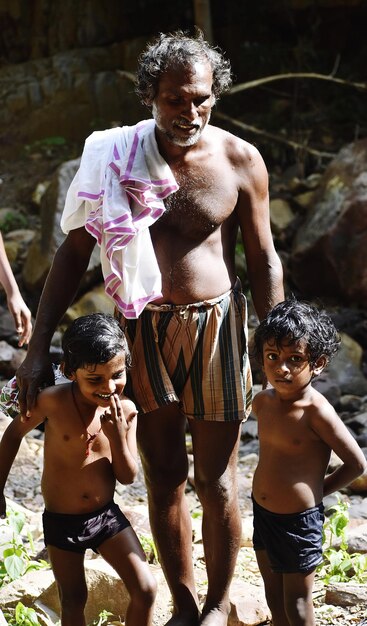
[(298, 598), (68, 569), (274, 592), (125, 554)]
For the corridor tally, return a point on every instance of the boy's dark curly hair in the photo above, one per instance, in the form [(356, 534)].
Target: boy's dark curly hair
[(292, 320), (179, 50), (91, 340)]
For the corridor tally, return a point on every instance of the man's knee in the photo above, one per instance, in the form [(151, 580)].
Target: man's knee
[(220, 493)]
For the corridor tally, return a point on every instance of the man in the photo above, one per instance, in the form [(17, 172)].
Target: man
[(189, 347)]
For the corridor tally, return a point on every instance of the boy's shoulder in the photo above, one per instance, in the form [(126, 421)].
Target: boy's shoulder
[(54, 394), (262, 396), (128, 407), (319, 404)]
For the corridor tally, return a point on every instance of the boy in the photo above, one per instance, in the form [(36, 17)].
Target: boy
[(90, 441), (297, 430)]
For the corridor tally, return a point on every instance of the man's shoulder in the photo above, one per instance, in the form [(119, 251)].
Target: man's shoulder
[(235, 146), (106, 136)]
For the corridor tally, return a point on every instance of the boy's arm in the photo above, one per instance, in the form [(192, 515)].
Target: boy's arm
[(119, 425), (9, 447), (330, 428)]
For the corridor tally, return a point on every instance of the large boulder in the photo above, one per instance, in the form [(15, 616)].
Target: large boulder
[(329, 256), (47, 241)]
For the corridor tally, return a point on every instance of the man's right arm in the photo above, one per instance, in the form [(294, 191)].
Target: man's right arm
[(69, 265)]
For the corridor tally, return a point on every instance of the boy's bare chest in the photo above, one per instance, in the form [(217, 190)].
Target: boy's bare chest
[(288, 432)]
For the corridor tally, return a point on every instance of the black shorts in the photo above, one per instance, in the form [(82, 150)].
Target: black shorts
[(293, 541), (76, 533)]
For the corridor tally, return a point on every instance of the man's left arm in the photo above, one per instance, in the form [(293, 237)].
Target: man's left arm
[(264, 268)]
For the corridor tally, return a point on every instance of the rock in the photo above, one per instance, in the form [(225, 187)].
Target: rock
[(329, 256), (345, 594), (328, 387), (357, 538), (358, 509), (10, 359), (248, 604), (105, 591), (25, 589), (350, 402), (345, 368), (45, 244), (95, 300), (281, 215)]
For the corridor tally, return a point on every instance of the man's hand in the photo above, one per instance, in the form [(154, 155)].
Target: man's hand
[(34, 373)]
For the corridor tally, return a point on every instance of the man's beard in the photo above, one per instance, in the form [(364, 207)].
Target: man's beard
[(177, 139)]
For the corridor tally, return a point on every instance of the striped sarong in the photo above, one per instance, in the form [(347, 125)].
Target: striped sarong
[(194, 354)]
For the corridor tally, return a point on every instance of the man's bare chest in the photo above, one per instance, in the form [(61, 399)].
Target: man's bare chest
[(203, 201)]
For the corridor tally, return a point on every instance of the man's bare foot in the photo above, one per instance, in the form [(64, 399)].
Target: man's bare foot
[(215, 617), (184, 619)]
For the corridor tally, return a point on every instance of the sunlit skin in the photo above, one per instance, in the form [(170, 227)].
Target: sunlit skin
[(73, 482), (79, 478), (297, 429), (16, 305)]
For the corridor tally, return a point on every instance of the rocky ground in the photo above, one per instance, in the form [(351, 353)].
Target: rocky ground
[(24, 488)]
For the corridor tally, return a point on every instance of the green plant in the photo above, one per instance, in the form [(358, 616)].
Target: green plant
[(23, 616), (12, 220), (339, 565), (16, 560), (149, 548), (102, 618)]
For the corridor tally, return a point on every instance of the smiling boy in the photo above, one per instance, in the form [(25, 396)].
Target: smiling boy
[(90, 442), (297, 429)]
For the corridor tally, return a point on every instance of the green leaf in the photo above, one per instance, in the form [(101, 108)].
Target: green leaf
[(16, 521), (14, 566)]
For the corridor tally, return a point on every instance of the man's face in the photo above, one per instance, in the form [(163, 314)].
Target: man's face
[(183, 104)]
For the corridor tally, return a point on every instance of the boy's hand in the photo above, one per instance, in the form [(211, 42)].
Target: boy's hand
[(113, 421), (2, 506)]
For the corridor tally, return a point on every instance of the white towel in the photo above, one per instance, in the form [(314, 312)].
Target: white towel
[(117, 193)]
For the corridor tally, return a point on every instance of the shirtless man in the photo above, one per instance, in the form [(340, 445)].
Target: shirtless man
[(223, 186)]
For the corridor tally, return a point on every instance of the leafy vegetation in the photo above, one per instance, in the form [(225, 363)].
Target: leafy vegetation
[(16, 559), (102, 618), (339, 565), (12, 220), (23, 616), (149, 548)]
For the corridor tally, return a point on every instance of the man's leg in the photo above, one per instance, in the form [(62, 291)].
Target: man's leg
[(215, 446), (162, 445)]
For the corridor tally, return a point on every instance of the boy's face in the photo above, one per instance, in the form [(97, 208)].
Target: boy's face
[(288, 368), (97, 383)]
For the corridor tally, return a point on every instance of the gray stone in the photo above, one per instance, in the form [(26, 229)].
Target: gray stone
[(345, 594)]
